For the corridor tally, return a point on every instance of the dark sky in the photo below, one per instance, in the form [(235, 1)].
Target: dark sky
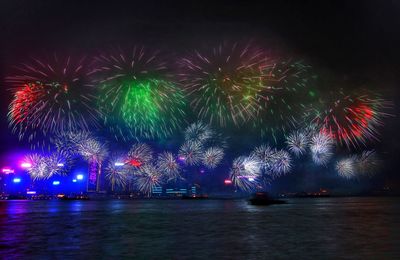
[(357, 42)]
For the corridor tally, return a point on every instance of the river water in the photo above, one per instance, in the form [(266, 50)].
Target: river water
[(328, 228)]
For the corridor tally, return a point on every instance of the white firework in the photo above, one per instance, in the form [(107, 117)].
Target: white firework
[(368, 163), (198, 132), (346, 168), (191, 152), (167, 164), (148, 178), (264, 155), (244, 172), (140, 154), (297, 143), (92, 149), (116, 173), (212, 157), (281, 163), (321, 147), (38, 169)]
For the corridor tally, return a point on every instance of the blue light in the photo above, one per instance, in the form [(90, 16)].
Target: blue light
[(79, 177), (56, 182), (17, 180), (74, 180)]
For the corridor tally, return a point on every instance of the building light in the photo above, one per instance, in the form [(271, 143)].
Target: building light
[(7, 170), (74, 180), (227, 182), (17, 180), (79, 177), (60, 164), (56, 183), (251, 179), (26, 165), (31, 192)]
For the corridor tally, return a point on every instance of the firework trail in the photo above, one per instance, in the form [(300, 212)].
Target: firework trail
[(368, 163)]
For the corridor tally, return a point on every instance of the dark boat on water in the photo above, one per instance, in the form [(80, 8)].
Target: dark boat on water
[(263, 199)]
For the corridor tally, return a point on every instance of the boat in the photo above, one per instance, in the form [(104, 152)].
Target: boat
[(263, 199)]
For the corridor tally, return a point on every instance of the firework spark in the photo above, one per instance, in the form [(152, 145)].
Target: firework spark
[(139, 155)]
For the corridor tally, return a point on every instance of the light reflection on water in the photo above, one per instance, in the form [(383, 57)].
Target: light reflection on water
[(231, 229)]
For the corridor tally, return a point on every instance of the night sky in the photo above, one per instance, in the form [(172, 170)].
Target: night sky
[(354, 43)]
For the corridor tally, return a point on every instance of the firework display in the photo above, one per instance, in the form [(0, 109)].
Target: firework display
[(183, 115), (137, 95), (52, 95)]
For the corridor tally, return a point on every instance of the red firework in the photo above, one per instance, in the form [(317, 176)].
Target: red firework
[(352, 120)]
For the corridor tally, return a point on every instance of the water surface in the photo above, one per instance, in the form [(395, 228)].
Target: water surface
[(208, 229)]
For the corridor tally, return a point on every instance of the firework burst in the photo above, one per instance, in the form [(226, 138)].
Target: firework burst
[(321, 147), (116, 174), (244, 173), (198, 132), (297, 143), (368, 163), (51, 96), (148, 177), (346, 168), (285, 95), (191, 153), (168, 165), (223, 84), (139, 155), (212, 157), (352, 120), (138, 97)]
